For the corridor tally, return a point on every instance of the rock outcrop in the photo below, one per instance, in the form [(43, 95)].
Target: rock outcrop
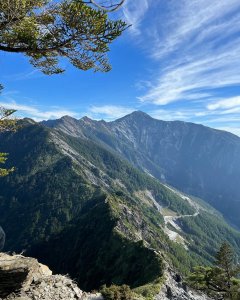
[(175, 289), (24, 278)]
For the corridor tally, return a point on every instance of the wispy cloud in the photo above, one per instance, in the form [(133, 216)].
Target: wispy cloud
[(213, 119), (195, 47), (109, 112), (172, 114), (196, 79), (195, 22), (37, 113), (233, 103), (234, 130), (134, 12), (32, 74)]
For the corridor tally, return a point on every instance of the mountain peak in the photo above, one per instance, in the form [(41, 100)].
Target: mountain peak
[(86, 119), (68, 118), (26, 121), (138, 114)]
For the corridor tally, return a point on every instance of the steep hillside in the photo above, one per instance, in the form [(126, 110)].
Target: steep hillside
[(97, 251), (81, 208), (35, 201), (193, 158)]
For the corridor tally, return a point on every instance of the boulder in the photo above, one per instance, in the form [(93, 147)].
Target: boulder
[(24, 278), (18, 272)]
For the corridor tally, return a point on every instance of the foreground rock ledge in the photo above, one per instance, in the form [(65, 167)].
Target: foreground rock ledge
[(24, 278)]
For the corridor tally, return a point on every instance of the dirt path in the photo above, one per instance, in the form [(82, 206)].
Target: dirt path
[(172, 218)]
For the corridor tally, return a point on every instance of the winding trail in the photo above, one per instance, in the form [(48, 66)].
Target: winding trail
[(172, 219)]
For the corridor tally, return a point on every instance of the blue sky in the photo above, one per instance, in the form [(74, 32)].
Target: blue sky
[(180, 60)]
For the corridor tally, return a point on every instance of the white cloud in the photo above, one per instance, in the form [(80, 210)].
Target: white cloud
[(197, 47), (37, 113), (233, 102), (134, 12), (173, 115), (109, 112), (234, 130), (193, 79), (198, 20)]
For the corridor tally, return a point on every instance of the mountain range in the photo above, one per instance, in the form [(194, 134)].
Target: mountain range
[(117, 202), (195, 159)]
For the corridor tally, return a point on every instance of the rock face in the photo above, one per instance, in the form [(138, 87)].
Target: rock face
[(175, 289), (18, 272), (23, 278)]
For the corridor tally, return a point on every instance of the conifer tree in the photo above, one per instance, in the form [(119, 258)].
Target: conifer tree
[(46, 31), (221, 280), (6, 124)]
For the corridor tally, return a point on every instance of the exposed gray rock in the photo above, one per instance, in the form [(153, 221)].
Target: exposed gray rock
[(23, 278), (18, 272), (175, 289)]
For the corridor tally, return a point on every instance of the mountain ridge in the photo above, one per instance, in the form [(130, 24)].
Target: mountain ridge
[(138, 113), (61, 183), (174, 152)]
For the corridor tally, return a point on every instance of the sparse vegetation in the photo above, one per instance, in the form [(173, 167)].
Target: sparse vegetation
[(150, 290), (115, 292)]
